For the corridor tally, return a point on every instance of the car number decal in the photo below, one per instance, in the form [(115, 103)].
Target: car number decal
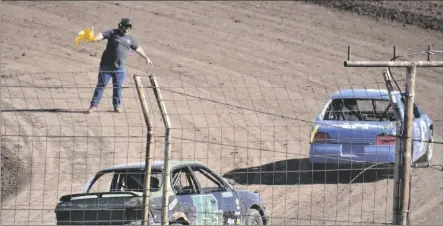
[(226, 194), (173, 203), (207, 211), (355, 126)]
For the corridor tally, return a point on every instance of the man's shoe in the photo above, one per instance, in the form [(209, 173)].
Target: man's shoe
[(92, 109), (118, 110)]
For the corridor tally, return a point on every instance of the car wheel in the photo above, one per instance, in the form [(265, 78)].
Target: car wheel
[(254, 218)]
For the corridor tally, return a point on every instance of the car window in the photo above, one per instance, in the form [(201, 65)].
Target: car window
[(103, 183), (416, 112), (359, 110), (135, 181), (182, 182), (367, 105), (207, 180)]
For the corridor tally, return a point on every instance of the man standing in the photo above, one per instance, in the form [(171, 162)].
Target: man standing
[(112, 64)]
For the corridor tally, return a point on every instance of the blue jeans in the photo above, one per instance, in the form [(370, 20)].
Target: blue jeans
[(118, 76)]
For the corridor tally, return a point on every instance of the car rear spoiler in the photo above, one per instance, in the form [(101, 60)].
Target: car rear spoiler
[(98, 194)]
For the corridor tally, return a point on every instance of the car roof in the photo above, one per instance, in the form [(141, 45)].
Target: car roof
[(380, 94), (156, 165)]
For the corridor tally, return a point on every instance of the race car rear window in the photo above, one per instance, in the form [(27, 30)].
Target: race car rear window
[(351, 109)]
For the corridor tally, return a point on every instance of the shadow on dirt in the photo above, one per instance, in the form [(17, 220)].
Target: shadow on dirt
[(54, 110), (14, 174), (300, 171)]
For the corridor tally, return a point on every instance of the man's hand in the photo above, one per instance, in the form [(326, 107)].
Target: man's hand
[(98, 37), (149, 62)]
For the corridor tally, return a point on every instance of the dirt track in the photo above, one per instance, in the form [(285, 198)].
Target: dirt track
[(300, 46)]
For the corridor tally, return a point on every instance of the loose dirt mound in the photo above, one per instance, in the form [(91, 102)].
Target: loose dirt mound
[(424, 14), (13, 173)]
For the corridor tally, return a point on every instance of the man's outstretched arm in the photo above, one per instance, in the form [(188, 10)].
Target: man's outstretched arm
[(142, 53), (103, 35)]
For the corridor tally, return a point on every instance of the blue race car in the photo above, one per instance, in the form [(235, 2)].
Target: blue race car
[(359, 126)]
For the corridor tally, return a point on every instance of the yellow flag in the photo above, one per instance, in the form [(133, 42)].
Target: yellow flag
[(87, 34)]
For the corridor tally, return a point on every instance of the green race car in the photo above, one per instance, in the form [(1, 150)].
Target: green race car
[(197, 196)]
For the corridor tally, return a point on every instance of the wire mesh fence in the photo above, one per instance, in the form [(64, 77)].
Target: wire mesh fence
[(255, 131), (252, 130)]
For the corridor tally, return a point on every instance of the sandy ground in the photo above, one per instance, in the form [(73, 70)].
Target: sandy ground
[(267, 67)]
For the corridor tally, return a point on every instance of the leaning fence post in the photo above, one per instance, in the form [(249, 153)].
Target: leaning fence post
[(148, 159), (167, 123)]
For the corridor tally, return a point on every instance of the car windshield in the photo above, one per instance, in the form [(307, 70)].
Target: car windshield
[(351, 109)]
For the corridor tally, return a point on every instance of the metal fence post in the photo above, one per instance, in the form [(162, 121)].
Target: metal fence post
[(148, 159), (166, 121)]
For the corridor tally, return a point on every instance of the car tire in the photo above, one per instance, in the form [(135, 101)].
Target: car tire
[(254, 217)]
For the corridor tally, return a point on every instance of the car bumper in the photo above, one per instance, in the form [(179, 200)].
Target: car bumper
[(345, 154)]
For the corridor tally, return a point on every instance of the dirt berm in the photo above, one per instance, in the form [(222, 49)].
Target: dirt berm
[(13, 173), (424, 14)]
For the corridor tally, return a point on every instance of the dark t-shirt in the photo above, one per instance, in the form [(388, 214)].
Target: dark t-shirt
[(117, 49)]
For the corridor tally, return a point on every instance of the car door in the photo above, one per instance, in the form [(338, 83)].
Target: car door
[(184, 187), (220, 202)]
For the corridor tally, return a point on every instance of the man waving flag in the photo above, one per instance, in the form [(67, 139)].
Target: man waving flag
[(113, 61)]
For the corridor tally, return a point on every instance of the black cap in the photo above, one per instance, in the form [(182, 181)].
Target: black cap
[(125, 22)]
